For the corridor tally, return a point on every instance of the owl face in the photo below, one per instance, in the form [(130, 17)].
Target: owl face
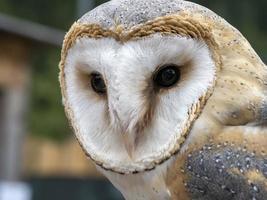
[(132, 103), (142, 80)]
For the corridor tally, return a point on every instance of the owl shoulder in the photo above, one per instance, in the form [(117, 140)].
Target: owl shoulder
[(233, 166)]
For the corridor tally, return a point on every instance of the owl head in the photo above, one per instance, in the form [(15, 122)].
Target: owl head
[(140, 78)]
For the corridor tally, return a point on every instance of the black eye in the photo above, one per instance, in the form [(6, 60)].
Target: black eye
[(167, 76), (97, 83)]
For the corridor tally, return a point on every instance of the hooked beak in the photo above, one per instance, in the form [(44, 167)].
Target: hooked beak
[(129, 143)]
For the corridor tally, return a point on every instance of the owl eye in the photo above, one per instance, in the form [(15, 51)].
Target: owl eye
[(98, 83), (167, 76)]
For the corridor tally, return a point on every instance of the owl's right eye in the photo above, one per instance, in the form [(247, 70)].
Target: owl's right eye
[(98, 83)]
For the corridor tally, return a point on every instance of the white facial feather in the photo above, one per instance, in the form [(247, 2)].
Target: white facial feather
[(128, 69)]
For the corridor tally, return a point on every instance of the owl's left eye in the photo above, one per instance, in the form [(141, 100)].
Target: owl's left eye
[(167, 76), (98, 83)]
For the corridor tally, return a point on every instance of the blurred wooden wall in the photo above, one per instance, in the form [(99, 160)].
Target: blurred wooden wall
[(14, 86), (47, 158)]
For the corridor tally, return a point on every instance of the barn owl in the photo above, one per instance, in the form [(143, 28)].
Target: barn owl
[(168, 100)]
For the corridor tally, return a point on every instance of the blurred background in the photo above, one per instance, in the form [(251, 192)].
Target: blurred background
[(39, 157)]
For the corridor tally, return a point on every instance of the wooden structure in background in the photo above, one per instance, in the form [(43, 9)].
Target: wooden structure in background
[(17, 39), (14, 81), (45, 158)]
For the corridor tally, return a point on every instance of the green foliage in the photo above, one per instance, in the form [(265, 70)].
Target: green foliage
[(59, 13), (47, 115)]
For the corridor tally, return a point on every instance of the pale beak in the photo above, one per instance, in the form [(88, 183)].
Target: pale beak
[(130, 143)]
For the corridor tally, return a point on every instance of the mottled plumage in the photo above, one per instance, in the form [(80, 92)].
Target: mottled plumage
[(202, 138)]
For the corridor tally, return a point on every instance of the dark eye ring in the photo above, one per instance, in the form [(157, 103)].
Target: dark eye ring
[(167, 76), (98, 83)]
